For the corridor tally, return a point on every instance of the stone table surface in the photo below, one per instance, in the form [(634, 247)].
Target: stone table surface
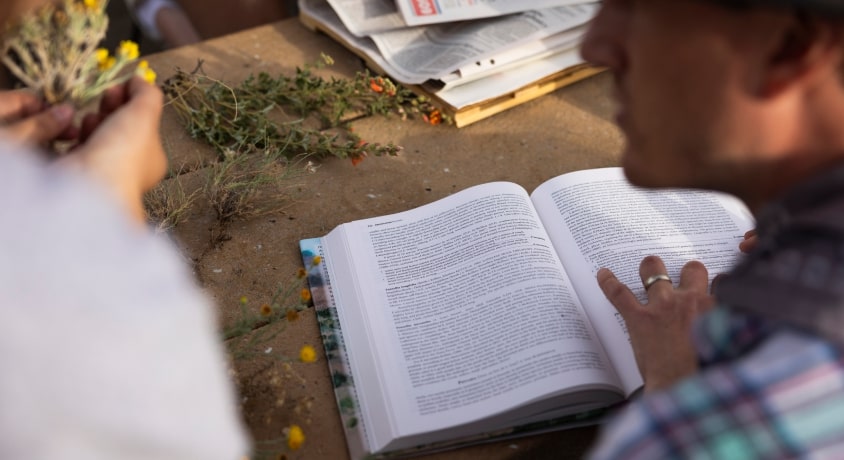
[(570, 129)]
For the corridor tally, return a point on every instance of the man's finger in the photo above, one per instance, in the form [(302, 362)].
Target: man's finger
[(650, 266), (617, 293), (694, 277), (43, 127)]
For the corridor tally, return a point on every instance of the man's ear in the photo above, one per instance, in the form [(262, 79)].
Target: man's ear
[(806, 48)]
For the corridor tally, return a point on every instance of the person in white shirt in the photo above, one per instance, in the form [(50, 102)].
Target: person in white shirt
[(108, 350)]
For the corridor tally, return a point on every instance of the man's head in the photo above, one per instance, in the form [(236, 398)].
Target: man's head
[(738, 98)]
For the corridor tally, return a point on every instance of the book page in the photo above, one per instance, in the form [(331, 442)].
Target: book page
[(597, 219), (418, 12), (467, 309)]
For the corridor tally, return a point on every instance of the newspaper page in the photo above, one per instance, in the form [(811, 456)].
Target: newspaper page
[(482, 48), (424, 53), (458, 96), (421, 12), (366, 17)]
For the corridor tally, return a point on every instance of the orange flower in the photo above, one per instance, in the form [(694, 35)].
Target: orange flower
[(435, 117), (292, 315), (357, 157), (266, 310), (305, 295), (301, 273), (376, 85)]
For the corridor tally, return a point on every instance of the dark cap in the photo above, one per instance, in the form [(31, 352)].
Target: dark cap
[(824, 7)]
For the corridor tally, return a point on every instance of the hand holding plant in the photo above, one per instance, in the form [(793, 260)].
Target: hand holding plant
[(53, 51), (120, 146), (24, 119)]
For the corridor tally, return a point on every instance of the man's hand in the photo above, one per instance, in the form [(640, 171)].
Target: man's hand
[(660, 330), (24, 119), (749, 242)]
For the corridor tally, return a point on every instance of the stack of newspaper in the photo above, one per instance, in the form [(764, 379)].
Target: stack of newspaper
[(473, 58)]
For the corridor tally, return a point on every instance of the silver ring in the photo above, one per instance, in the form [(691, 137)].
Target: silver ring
[(653, 279)]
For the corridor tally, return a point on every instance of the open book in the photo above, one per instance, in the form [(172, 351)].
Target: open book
[(479, 314)]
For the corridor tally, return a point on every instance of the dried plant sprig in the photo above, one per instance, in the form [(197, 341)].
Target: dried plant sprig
[(167, 204), (333, 100), (252, 185), (283, 307), (243, 118), (53, 51)]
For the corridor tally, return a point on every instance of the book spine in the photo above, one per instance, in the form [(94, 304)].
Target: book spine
[(319, 283)]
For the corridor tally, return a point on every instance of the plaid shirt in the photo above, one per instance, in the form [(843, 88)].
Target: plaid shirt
[(763, 392)]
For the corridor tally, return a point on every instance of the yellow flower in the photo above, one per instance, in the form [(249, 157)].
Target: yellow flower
[(101, 54), (243, 300), (301, 273), (150, 76), (295, 437), (307, 354), (104, 61), (145, 72), (305, 295), (316, 260), (128, 50), (91, 4), (266, 310)]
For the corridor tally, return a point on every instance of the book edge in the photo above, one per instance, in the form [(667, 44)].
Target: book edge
[(339, 367)]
